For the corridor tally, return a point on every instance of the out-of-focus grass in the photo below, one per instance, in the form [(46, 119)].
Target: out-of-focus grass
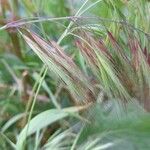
[(28, 90)]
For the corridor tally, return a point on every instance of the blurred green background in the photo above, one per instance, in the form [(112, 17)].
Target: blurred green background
[(20, 67)]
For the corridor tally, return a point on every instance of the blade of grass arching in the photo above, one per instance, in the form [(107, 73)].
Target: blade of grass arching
[(39, 122)]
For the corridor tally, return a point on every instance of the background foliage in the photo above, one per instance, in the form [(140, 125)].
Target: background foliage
[(74, 74)]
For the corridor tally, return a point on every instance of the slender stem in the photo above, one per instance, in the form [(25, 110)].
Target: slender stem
[(45, 68)]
